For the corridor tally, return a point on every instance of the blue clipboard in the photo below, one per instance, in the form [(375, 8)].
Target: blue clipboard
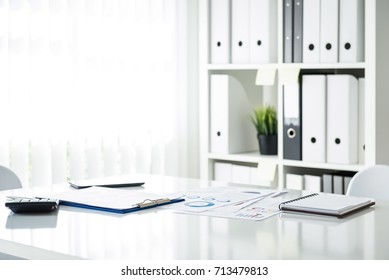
[(146, 204)]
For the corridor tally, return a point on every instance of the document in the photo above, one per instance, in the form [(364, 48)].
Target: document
[(113, 200), (231, 202), (342, 119), (256, 210), (329, 31), (205, 199), (311, 31), (240, 31), (220, 31), (351, 31), (314, 117)]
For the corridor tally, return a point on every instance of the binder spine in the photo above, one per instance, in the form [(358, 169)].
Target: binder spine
[(220, 40), (311, 31), (298, 31), (296, 199), (288, 31), (292, 122)]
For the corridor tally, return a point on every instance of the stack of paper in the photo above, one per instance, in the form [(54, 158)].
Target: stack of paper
[(230, 202)]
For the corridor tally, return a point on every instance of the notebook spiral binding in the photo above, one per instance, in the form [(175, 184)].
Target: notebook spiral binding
[(297, 199)]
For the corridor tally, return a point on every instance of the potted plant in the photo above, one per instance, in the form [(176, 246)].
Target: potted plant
[(265, 122)]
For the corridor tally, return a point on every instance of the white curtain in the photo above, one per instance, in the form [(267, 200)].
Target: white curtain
[(92, 88)]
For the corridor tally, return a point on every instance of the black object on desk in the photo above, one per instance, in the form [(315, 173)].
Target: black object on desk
[(83, 185), (31, 204)]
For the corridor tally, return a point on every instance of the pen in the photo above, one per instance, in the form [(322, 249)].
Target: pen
[(254, 201), (279, 194)]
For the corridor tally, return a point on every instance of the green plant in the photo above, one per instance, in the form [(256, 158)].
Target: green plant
[(265, 120)]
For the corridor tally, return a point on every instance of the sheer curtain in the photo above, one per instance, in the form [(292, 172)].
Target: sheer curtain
[(92, 88)]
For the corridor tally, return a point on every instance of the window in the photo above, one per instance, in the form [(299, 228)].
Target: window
[(94, 88)]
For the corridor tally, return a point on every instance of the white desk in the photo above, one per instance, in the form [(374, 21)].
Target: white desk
[(162, 234)]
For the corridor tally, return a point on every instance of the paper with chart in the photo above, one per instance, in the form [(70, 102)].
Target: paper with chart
[(257, 209), (201, 200), (230, 202)]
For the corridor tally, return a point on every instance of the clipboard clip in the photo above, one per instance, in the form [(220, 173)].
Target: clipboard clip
[(152, 202)]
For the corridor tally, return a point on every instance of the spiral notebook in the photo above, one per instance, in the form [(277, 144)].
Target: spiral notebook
[(327, 204)]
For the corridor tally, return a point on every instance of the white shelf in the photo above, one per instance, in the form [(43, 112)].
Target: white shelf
[(255, 157), (329, 166), (359, 65), (250, 157), (240, 66)]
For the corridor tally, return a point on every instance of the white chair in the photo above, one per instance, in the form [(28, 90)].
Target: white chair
[(8, 179), (371, 182)]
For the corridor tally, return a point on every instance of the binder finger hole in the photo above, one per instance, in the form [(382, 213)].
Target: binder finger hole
[(218, 44), (311, 47), (240, 43), (337, 141), (313, 140), (259, 42), (218, 133), (291, 133), (347, 46), (328, 46)]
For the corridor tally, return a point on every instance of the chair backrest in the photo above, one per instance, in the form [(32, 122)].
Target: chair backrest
[(8, 179), (371, 182)]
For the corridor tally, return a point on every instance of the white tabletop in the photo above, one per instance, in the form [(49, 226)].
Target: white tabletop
[(162, 234)]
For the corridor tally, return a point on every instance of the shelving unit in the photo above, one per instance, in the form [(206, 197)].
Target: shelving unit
[(374, 69)]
